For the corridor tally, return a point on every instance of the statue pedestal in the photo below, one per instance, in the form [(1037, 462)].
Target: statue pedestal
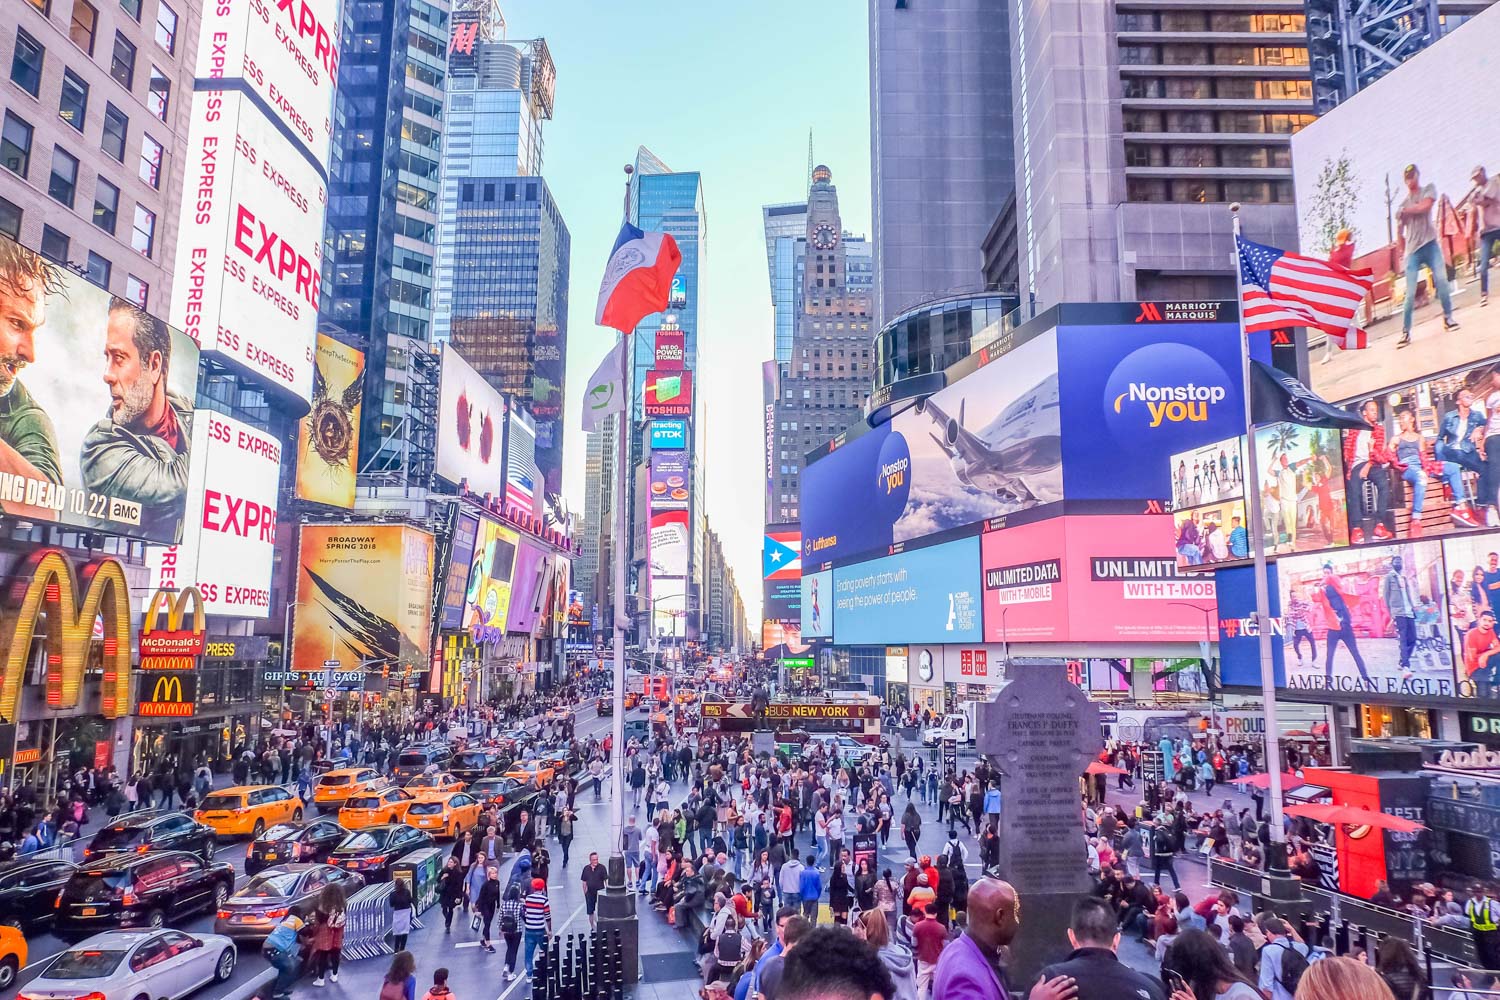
[(617, 913)]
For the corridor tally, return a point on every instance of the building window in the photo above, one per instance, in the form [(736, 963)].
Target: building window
[(15, 145), (151, 157), (143, 236), (159, 95), (26, 63), (132, 7), (74, 102), (106, 205), (10, 219), (64, 180), (45, 6), (98, 270), (166, 27), (116, 125), (137, 291), (122, 64), (54, 245), (84, 25)]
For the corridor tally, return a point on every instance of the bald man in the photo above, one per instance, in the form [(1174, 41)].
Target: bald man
[(970, 967)]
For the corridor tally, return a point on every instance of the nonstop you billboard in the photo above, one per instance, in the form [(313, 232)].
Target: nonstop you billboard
[(992, 445)]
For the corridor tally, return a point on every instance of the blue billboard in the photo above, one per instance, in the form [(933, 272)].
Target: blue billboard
[(669, 434), (1239, 644), (1135, 394), (847, 507), (924, 595)]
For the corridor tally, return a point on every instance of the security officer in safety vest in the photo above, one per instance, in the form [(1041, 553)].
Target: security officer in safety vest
[(1483, 912)]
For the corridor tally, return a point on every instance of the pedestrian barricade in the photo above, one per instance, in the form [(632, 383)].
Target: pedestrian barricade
[(367, 923), (587, 966)]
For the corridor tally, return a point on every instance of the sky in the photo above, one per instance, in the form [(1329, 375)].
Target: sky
[(729, 90)]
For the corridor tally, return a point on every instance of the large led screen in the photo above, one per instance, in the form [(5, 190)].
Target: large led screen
[(456, 579), (922, 595), (328, 437), (1472, 566), (1208, 473), (471, 422), (1239, 642), (364, 596), (781, 572), (670, 472), (1302, 488), (816, 601), (669, 543), (487, 600), (1414, 229), (96, 405)]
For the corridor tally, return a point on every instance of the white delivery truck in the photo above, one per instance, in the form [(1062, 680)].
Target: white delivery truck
[(959, 727)]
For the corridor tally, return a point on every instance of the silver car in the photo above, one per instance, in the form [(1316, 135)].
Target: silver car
[(135, 965)]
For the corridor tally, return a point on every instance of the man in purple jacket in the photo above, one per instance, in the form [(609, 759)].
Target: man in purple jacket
[(970, 968)]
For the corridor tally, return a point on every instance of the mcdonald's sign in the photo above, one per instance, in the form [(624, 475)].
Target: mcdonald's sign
[(173, 641), (168, 694), (46, 582)]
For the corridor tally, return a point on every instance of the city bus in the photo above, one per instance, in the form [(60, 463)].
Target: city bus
[(795, 720)]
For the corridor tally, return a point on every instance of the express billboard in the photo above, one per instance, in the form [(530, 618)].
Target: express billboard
[(228, 545), (669, 480), (1350, 163), (96, 405), (1472, 586), (669, 434), (921, 595), (1211, 533), (816, 600), (669, 394), (487, 598), (526, 588), (249, 251), (471, 423), (1302, 488), (364, 595), (669, 543), (328, 437), (524, 484)]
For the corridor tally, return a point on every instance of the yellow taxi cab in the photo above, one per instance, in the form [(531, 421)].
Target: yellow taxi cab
[(248, 809), (375, 807), (12, 955), (333, 787), (428, 784), (444, 814), (528, 770)]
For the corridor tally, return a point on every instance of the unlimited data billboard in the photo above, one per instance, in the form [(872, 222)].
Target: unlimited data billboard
[(364, 595), (922, 595), (96, 405)]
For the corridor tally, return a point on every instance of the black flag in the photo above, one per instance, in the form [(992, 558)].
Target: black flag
[(1276, 397)]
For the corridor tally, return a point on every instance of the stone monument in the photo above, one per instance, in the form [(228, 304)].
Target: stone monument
[(1041, 732)]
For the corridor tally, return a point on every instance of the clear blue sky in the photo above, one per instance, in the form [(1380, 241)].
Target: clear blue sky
[(728, 89)]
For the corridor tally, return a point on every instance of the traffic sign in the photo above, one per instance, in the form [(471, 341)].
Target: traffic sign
[(332, 664)]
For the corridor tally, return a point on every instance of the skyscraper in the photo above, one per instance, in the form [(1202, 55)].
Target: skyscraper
[(380, 243), (1133, 139), (590, 569), (784, 226), (941, 155)]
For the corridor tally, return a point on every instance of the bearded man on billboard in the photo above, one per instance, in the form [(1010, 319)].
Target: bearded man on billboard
[(140, 451), (28, 442)]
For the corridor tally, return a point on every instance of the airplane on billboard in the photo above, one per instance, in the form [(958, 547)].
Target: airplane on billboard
[(1024, 440)]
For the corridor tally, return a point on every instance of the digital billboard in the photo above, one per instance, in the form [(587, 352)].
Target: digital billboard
[(526, 588), (922, 595), (1239, 642), (1102, 578), (1302, 488), (546, 402), (1136, 394), (671, 348), (669, 480), (669, 434), (96, 405), (471, 423), (229, 542), (250, 248), (487, 599), (1209, 473), (669, 544), (328, 437), (364, 595), (1412, 229), (456, 578), (669, 394), (523, 480), (781, 572), (1376, 617), (816, 601), (1472, 585), (774, 633), (1211, 533)]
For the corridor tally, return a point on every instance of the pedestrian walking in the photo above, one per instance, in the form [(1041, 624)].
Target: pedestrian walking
[(512, 916), (593, 878), (400, 903), (439, 989), (400, 981), (537, 921), (487, 904), (451, 891)]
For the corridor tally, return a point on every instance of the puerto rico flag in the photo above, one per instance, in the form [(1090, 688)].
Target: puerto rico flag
[(782, 556), (637, 279)]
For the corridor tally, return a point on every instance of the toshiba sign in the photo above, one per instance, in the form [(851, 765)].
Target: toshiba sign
[(250, 250), (230, 534)]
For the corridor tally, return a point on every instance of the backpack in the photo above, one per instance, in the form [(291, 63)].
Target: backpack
[(508, 922), (1293, 965), (730, 948)]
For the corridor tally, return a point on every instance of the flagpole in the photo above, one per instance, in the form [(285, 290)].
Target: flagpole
[(1276, 860), (623, 420)]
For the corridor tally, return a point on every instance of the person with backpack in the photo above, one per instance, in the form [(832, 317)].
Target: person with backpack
[(280, 949), (400, 982), (328, 936), (1163, 849), (511, 915), (1283, 958)]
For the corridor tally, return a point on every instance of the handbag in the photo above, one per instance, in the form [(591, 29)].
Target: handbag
[(475, 923)]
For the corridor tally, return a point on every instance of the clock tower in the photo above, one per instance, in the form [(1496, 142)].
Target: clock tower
[(823, 272)]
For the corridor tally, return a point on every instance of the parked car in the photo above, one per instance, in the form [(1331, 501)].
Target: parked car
[(334, 787), (371, 852), (27, 891), (415, 758), (12, 955), (153, 830), (129, 965), (258, 905), (309, 841), (140, 890), (248, 810)]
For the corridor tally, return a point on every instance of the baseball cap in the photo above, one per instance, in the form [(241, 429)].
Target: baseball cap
[(1410, 169)]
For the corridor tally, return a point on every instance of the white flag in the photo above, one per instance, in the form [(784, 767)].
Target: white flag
[(606, 390)]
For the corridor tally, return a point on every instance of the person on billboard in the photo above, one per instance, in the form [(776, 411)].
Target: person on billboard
[(1340, 624), (1239, 539), (1411, 460), (1485, 197), (28, 442), (1286, 493), (1461, 607), (1368, 463), (140, 451), (1396, 592), (1489, 450), (1299, 623), (1422, 250), (1457, 447), (1480, 662)]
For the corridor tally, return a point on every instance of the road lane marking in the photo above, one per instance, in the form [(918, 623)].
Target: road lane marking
[(521, 956)]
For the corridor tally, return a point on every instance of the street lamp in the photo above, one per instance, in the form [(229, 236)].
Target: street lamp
[(1208, 662)]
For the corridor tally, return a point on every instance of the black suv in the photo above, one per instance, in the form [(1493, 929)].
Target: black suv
[(27, 891), (140, 890), (471, 765), (309, 840), (373, 850), (417, 758), (152, 831)]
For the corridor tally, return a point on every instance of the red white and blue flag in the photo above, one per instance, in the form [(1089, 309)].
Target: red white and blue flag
[(781, 559), (1279, 289), (638, 278)]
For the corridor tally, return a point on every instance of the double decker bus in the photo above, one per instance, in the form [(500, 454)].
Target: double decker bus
[(795, 720)]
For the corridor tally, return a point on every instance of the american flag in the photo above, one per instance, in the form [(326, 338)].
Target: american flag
[(1279, 289)]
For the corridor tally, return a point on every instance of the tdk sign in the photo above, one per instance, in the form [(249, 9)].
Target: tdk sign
[(668, 435)]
